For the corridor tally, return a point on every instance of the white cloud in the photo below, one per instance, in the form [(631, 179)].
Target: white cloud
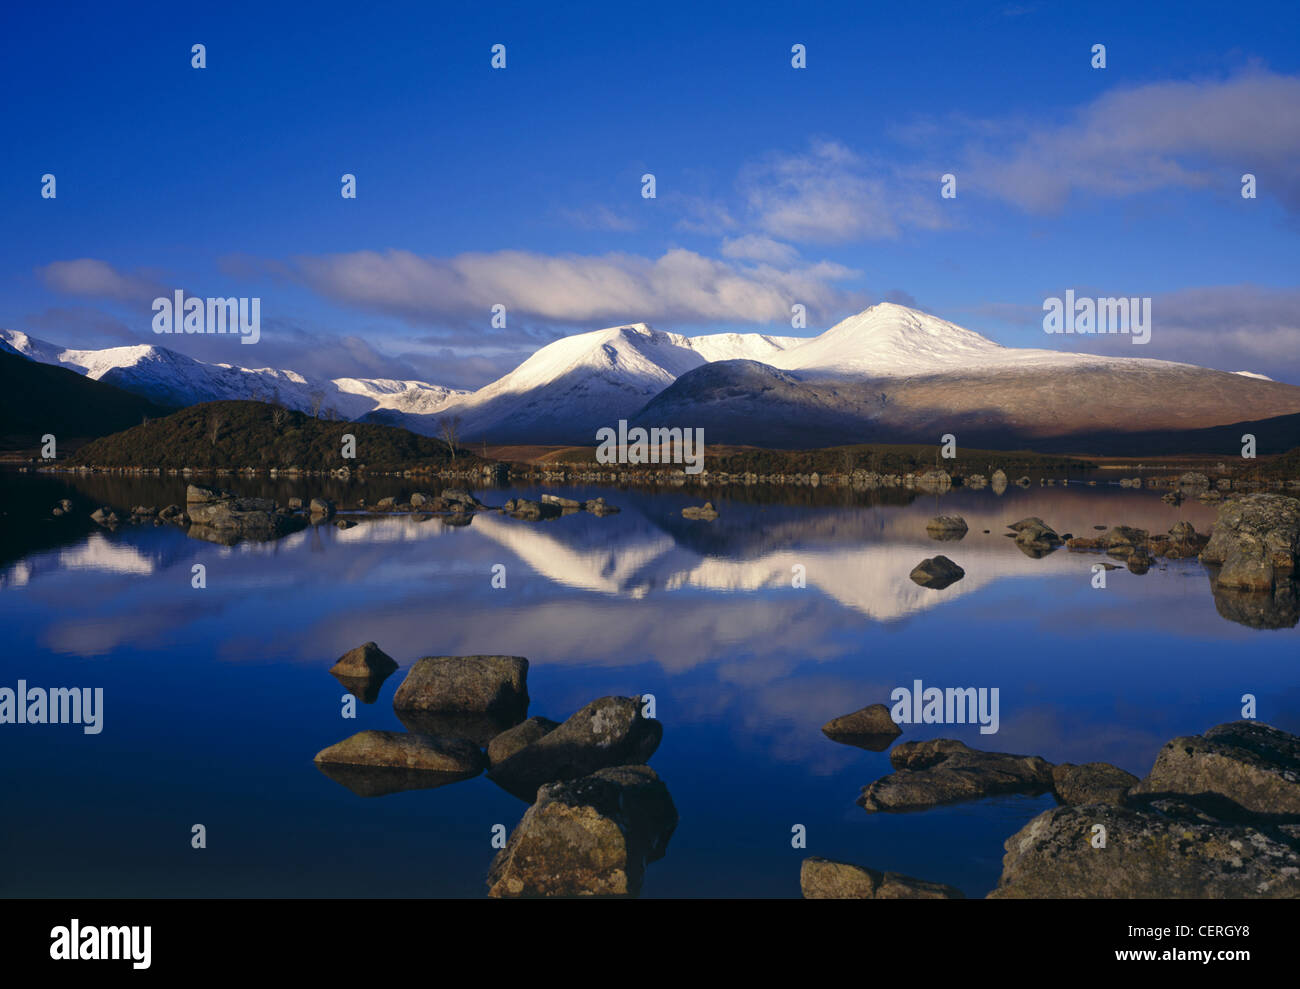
[(756, 247), (99, 279), (679, 287), (831, 194), (1155, 136)]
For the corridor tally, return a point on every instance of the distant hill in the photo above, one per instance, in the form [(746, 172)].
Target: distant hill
[(256, 434), (1275, 435), (36, 399)]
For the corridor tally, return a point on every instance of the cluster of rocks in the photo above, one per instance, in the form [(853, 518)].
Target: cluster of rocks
[(598, 815), (492, 472), (553, 506), (1138, 547), (223, 517), (139, 515), (1217, 816)]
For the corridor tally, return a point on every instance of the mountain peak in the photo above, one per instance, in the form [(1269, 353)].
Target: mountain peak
[(891, 339)]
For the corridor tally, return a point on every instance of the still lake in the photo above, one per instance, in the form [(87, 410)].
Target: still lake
[(216, 699)]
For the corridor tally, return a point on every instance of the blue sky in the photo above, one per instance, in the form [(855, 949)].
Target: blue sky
[(522, 186)]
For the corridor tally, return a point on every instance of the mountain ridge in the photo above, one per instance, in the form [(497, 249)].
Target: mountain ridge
[(889, 374)]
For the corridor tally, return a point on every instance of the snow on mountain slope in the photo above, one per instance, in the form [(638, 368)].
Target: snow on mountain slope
[(417, 397), (892, 341), (742, 346), (171, 378), (573, 386)]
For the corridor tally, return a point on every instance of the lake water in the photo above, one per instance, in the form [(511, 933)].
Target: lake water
[(216, 700)]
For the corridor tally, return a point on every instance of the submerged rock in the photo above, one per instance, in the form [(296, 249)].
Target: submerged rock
[(607, 732), (466, 685), (597, 506), (706, 512), (946, 528), (380, 781), (1276, 608), (364, 689), (870, 728), (824, 879), (944, 770), (936, 573), (592, 836), (1091, 783)]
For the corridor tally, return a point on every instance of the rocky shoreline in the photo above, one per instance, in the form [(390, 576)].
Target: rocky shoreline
[(223, 517), (1178, 486), (1217, 816)]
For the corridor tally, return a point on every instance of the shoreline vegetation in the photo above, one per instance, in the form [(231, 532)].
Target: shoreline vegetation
[(245, 438)]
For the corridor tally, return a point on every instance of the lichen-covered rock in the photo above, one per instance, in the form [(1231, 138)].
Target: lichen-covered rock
[(944, 771), (480, 685), (398, 750), (365, 661), (587, 837), (824, 879), (222, 517), (510, 741), (1091, 783), (1244, 767), (1147, 855), (1255, 541), (870, 728), (1034, 537), (607, 732)]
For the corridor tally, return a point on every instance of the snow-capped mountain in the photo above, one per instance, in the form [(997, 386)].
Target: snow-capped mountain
[(887, 374), (169, 378), (893, 374), (573, 386)]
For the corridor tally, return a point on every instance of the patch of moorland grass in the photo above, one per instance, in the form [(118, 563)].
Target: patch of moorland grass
[(238, 434)]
